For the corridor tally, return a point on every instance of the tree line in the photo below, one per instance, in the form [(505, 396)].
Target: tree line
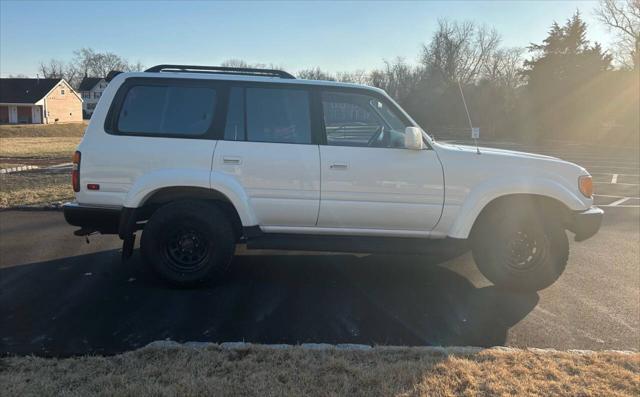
[(563, 88)]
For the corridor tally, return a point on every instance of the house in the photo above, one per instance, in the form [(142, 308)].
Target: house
[(91, 89), (38, 101)]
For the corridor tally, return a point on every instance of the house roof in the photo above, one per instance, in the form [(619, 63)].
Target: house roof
[(88, 83), (25, 90)]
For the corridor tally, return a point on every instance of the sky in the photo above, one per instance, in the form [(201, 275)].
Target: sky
[(335, 36)]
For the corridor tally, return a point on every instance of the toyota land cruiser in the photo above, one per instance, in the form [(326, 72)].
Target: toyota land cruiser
[(202, 158)]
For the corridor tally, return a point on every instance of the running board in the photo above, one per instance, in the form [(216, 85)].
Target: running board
[(360, 244)]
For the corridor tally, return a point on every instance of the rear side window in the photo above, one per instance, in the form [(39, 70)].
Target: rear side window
[(278, 115), (167, 110)]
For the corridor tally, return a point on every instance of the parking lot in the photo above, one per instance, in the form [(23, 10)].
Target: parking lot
[(61, 296)]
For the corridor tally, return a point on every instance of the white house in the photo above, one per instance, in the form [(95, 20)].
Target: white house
[(91, 89)]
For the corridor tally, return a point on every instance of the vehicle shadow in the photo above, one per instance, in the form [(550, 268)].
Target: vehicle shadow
[(94, 304)]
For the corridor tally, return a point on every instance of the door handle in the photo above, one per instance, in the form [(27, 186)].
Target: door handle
[(231, 160), (339, 166)]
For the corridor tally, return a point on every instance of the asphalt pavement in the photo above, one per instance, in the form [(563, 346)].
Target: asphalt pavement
[(60, 296)]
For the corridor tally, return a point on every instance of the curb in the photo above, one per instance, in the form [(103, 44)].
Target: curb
[(18, 169), (431, 350)]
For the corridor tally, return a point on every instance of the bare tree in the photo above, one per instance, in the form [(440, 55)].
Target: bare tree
[(54, 69), (460, 51), (623, 17), (315, 74), (359, 76), (504, 66), (99, 64), (235, 63), (86, 63)]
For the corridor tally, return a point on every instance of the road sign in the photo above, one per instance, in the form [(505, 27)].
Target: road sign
[(475, 133)]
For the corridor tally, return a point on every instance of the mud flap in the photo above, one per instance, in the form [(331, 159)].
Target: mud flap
[(127, 247)]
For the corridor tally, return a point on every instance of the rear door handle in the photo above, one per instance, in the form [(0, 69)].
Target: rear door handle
[(339, 166), (231, 160)]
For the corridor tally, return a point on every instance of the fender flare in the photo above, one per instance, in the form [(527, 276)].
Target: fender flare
[(485, 193), (225, 184)]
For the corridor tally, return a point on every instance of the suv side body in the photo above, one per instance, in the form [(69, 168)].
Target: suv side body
[(285, 161)]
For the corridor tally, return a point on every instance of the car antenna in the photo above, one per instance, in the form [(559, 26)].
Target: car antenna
[(475, 132)]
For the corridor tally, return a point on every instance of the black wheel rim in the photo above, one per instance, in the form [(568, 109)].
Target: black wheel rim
[(187, 250), (525, 250)]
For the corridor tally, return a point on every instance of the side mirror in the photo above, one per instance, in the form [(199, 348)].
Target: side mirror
[(413, 138)]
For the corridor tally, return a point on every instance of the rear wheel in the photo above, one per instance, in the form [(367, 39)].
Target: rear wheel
[(188, 242), (517, 247)]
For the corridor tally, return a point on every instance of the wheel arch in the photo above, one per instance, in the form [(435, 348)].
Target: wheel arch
[(553, 198), (169, 194), (548, 206)]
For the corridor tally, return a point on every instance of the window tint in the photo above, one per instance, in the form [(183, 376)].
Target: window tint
[(171, 110), (360, 120), (278, 115), (234, 130)]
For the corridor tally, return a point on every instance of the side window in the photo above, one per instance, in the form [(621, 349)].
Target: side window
[(278, 115), (167, 110), (234, 130), (360, 120)]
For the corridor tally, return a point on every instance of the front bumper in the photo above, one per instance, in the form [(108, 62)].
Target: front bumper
[(92, 219), (586, 223)]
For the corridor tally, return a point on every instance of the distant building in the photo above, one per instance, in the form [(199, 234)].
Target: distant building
[(38, 101), (91, 89)]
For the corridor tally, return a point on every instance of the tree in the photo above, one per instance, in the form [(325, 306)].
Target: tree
[(315, 74), (460, 51), (561, 78), (623, 17), (87, 63)]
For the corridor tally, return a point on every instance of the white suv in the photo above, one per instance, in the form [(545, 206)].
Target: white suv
[(203, 158)]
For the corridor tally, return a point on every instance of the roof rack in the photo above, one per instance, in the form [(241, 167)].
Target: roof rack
[(222, 70)]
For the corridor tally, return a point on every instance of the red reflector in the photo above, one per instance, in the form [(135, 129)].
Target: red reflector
[(93, 186), (75, 172)]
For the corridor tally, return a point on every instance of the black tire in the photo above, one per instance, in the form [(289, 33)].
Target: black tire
[(188, 242), (519, 248)]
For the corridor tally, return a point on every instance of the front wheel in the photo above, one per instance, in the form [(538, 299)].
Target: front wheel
[(188, 242), (519, 248)]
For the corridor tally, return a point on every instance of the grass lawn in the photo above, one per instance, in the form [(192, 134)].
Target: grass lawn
[(24, 149), (41, 145), (42, 130), (38, 141), (34, 187), (260, 371)]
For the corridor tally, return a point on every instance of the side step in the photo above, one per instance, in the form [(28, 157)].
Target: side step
[(363, 244)]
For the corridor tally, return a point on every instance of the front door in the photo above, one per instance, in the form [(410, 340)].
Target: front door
[(268, 149), (369, 181)]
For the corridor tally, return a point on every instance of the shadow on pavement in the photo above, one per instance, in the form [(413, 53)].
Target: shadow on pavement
[(95, 304)]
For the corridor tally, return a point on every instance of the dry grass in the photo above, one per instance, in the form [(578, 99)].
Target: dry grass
[(261, 371), (33, 187), (41, 147), (42, 130)]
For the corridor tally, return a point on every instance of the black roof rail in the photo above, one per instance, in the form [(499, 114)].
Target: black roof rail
[(111, 75), (221, 69)]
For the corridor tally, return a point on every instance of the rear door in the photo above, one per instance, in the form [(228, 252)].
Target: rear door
[(268, 148), (369, 180)]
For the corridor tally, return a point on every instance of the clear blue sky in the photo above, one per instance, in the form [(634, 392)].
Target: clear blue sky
[(337, 36)]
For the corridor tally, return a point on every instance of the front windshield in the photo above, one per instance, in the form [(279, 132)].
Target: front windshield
[(387, 115)]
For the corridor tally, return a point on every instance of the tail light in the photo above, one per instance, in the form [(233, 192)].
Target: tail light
[(585, 184), (75, 172)]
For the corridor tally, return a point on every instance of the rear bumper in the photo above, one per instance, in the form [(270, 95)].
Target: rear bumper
[(93, 219), (586, 223)]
